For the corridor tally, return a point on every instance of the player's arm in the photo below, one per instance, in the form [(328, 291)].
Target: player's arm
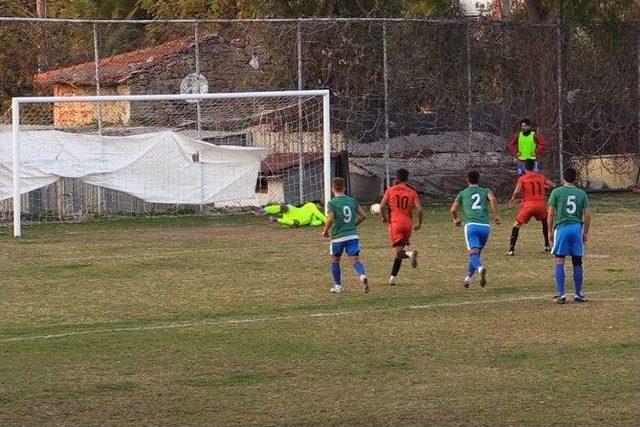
[(517, 192), (513, 145), (586, 218), (541, 143), (420, 211), (551, 214), (384, 203), (493, 204), (454, 213), (361, 215), (548, 184), (328, 224)]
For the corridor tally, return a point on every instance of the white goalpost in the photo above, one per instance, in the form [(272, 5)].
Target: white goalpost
[(81, 156)]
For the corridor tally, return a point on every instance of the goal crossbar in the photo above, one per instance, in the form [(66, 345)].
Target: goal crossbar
[(15, 127)]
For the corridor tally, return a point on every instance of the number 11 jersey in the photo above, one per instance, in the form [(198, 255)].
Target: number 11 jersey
[(533, 189)]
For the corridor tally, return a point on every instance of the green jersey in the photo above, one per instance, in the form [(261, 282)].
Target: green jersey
[(569, 203), (475, 204), (345, 210)]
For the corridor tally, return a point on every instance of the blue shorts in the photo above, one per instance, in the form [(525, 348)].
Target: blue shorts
[(521, 167), (352, 246), (476, 235), (567, 240)]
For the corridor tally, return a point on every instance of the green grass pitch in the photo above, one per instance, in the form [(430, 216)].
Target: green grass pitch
[(228, 321)]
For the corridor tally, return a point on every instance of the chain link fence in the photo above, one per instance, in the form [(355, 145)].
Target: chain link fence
[(435, 97)]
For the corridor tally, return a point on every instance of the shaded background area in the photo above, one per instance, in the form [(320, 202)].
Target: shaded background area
[(437, 96)]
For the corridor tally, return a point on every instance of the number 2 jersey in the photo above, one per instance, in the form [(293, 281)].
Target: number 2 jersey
[(475, 204), (345, 210), (401, 199), (533, 189)]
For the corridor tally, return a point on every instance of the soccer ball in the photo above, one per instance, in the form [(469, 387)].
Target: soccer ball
[(375, 208)]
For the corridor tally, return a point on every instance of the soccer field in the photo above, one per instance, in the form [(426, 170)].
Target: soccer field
[(228, 321)]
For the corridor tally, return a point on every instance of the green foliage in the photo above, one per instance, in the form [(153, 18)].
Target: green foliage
[(299, 8)]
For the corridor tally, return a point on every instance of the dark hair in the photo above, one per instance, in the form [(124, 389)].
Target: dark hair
[(526, 122), (569, 175), (402, 175), (338, 183), (473, 177), (529, 164)]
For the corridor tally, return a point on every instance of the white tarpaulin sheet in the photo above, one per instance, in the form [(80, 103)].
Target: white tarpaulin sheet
[(161, 167)]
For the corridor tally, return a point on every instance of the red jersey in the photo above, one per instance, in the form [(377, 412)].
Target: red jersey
[(401, 199), (533, 189)]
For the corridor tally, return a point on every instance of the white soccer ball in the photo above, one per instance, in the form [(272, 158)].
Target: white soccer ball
[(375, 208)]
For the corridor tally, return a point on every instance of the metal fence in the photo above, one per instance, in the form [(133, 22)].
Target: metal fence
[(435, 96)]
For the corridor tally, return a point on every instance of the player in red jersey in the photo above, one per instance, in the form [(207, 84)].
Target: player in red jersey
[(397, 209), (531, 186)]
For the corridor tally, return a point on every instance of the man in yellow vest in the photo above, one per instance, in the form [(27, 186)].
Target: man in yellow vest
[(527, 144)]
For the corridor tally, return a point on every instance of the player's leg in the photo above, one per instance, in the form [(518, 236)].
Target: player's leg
[(336, 252), (541, 215), (353, 250), (577, 250), (524, 215), (560, 249), (577, 279), (398, 255), (474, 256), (515, 231), (545, 233), (400, 234), (560, 297), (472, 234), (406, 235), (483, 232)]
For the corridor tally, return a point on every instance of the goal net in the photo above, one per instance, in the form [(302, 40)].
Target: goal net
[(83, 157)]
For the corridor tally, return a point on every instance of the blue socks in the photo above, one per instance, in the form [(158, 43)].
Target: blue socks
[(577, 279), (335, 272), (476, 262), (471, 269), (359, 268), (560, 279)]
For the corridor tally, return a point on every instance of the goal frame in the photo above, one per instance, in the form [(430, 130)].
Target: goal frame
[(18, 101)]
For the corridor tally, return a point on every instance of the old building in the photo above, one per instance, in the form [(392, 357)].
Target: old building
[(228, 63)]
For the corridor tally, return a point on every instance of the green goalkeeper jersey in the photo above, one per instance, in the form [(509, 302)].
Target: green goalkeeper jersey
[(569, 203), (345, 210), (475, 204)]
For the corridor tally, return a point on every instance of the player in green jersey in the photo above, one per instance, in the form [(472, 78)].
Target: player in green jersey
[(475, 201), (343, 217), (569, 217)]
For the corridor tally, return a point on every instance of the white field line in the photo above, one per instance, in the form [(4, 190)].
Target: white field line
[(179, 325)]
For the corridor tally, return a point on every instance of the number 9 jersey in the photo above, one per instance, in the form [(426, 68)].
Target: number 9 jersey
[(345, 210)]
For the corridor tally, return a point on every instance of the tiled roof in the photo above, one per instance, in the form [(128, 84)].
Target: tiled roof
[(118, 68)]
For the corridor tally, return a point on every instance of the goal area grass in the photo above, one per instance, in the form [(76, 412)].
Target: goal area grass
[(229, 321)]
